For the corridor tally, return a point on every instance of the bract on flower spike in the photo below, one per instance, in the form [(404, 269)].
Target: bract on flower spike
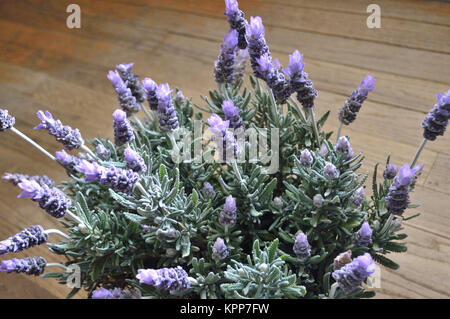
[(169, 279), (29, 237), (132, 81), (29, 265), (123, 131), (6, 121), (126, 99), (16, 178), (236, 21), (168, 120), (224, 65)]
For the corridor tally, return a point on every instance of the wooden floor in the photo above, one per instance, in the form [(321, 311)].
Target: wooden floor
[(45, 65)]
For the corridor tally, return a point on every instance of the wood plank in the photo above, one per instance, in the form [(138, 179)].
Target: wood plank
[(433, 12), (402, 91), (439, 177)]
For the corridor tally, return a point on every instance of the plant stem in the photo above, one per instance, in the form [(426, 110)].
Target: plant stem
[(387, 224), (419, 150), (147, 112), (312, 116), (338, 133), (142, 189), (136, 118), (88, 150), (273, 106), (333, 290), (298, 108), (75, 217), (56, 231), (238, 174), (57, 265), (29, 140)]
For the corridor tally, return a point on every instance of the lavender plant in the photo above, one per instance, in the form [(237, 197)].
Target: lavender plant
[(139, 224)]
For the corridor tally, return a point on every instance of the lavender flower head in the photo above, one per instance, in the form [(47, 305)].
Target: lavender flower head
[(236, 21), (306, 158), (116, 293), (354, 273), (417, 172), (29, 265), (318, 200), (436, 121), (270, 72), (150, 88), (103, 152), (126, 99), (397, 199), (301, 246), (219, 249), (363, 237), (347, 113), (29, 237), (257, 46), (179, 97), (208, 191), (390, 171), (170, 279), (224, 65), (132, 81), (323, 151), (227, 216), (17, 178), (232, 114), (6, 121), (358, 196), (224, 138), (134, 161), (70, 138), (343, 148), (168, 120), (119, 180), (330, 171), (295, 67), (68, 161), (51, 199), (123, 132)]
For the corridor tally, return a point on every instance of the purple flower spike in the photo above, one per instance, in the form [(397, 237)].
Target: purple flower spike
[(70, 138), (132, 81), (363, 237), (103, 152), (232, 114), (343, 148), (350, 276), (347, 113), (257, 46), (6, 121), (270, 73), (219, 249), (436, 121), (358, 196), (228, 214), (330, 171), (306, 158), (134, 161), (123, 132), (150, 88), (116, 293), (119, 180), (224, 65), (29, 265), (51, 200), (169, 279), (29, 237), (168, 120), (208, 191), (397, 199), (301, 246), (390, 171), (126, 99), (68, 161), (17, 178), (236, 21), (417, 172), (323, 151), (225, 140)]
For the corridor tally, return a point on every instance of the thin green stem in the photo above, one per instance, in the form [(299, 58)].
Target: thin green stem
[(273, 106), (57, 265), (238, 174), (338, 133), (147, 112), (89, 151), (56, 231), (419, 150), (29, 140), (312, 116), (333, 289), (75, 217), (136, 118), (302, 115)]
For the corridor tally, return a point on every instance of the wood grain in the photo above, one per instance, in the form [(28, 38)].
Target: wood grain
[(45, 65)]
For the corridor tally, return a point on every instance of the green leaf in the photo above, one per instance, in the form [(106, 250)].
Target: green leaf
[(134, 217), (273, 249)]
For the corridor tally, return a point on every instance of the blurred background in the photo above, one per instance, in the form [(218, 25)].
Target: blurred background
[(46, 65)]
